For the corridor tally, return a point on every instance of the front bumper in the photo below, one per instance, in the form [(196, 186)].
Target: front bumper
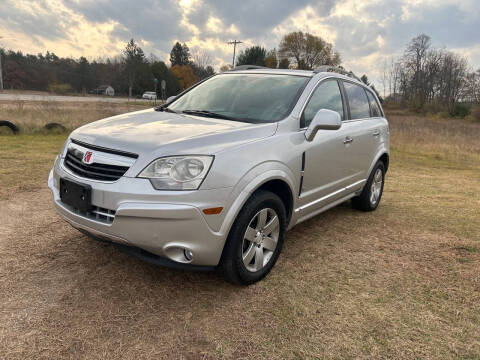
[(164, 223)]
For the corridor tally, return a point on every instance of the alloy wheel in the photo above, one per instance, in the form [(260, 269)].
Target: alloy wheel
[(260, 239), (376, 187)]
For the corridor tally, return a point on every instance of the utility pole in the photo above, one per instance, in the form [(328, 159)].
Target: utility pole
[(234, 43), (1, 76)]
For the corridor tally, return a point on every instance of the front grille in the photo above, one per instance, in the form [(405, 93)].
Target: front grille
[(95, 171), (96, 213)]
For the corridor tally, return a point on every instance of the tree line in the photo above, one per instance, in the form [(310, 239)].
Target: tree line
[(428, 78), (132, 72), (423, 77)]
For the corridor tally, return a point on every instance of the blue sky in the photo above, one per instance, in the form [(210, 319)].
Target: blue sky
[(365, 32)]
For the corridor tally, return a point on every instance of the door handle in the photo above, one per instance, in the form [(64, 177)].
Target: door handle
[(376, 132), (348, 140)]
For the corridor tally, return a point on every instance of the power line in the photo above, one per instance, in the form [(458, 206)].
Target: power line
[(234, 43)]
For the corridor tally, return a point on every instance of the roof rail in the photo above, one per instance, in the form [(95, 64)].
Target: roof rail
[(339, 70), (248, 67)]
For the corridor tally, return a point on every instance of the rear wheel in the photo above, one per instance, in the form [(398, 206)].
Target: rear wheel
[(371, 194), (255, 240)]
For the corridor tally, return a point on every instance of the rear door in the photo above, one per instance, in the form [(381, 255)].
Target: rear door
[(362, 128), (378, 125)]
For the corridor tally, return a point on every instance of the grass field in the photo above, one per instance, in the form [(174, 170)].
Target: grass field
[(32, 116), (401, 282)]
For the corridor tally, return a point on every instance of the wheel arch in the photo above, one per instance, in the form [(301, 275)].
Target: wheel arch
[(382, 155), (275, 181), (280, 188), (278, 181), (385, 158)]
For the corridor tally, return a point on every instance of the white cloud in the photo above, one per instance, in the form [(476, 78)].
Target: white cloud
[(364, 31)]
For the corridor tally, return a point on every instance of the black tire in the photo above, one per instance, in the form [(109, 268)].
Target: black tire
[(231, 266), (55, 126), (10, 125), (363, 201)]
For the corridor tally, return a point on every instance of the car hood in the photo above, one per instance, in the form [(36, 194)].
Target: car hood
[(150, 131)]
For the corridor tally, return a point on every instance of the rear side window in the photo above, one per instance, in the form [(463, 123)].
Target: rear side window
[(358, 101), (374, 105), (326, 96)]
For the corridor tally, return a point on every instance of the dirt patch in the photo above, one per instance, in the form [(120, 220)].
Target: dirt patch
[(339, 290), (23, 211)]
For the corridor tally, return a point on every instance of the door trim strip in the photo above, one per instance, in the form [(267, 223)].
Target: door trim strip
[(323, 198)]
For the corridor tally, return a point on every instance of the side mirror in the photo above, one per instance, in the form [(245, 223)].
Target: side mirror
[(170, 99), (324, 120)]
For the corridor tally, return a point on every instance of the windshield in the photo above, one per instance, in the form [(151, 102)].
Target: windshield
[(254, 98)]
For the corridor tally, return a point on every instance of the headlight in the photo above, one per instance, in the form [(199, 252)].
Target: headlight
[(178, 172), (64, 147)]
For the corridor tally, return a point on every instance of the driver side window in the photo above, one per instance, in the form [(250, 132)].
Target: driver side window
[(326, 96)]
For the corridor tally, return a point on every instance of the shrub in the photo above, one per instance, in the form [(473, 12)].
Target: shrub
[(435, 108), (184, 75), (460, 110), (475, 113)]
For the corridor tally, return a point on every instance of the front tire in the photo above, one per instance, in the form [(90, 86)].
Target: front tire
[(371, 194), (255, 239)]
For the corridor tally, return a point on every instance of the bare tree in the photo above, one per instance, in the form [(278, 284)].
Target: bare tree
[(471, 91), (385, 77), (201, 58), (307, 50), (424, 74)]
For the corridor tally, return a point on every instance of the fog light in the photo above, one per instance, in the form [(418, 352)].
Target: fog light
[(188, 254)]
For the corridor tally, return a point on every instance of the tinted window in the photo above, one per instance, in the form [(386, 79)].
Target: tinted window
[(374, 105), (357, 99), (326, 96), (255, 98)]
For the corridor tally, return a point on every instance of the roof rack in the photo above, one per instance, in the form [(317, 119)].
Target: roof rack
[(339, 70), (248, 67)]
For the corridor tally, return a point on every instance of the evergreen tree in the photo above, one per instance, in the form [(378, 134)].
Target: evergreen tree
[(254, 55), (134, 58), (180, 54)]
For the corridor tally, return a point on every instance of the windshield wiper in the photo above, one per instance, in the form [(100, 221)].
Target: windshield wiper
[(207, 113)]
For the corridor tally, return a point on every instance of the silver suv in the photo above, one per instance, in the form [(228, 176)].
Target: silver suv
[(214, 178)]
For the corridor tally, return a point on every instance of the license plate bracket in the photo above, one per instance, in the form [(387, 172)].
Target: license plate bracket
[(76, 194)]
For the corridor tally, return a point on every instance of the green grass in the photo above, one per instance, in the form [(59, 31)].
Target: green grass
[(25, 161)]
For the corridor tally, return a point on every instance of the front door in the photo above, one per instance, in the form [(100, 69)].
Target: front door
[(330, 157)]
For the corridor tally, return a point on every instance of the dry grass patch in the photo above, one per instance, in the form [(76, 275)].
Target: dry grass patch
[(401, 282), (32, 116), (25, 161)]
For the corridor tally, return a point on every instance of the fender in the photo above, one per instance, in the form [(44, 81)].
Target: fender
[(380, 152), (250, 182)]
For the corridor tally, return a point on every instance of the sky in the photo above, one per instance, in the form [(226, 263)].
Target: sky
[(366, 33)]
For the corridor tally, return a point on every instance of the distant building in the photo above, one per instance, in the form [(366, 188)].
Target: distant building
[(105, 90)]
